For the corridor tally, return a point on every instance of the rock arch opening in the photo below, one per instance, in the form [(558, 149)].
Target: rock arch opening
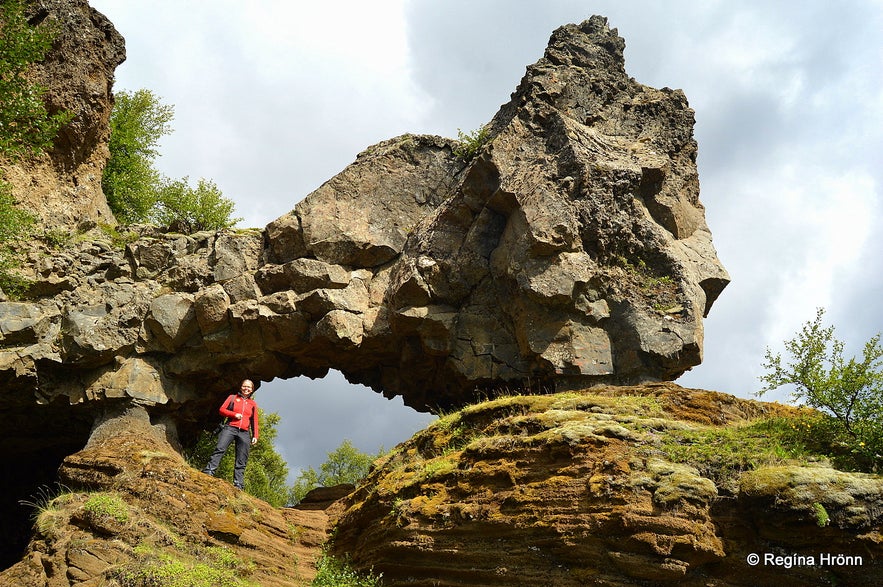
[(317, 415)]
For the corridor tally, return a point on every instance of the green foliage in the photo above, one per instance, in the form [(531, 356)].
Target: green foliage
[(211, 567), (267, 472), (345, 464), (189, 210), (848, 392), (26, 127), (130, 182), (56, 238), (118, 239), (470, 144), (15, 225), (336, 572), (821, 514), (722, 453), (136, 192)]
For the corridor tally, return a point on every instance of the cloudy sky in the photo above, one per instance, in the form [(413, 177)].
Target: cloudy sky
[(272, 98)]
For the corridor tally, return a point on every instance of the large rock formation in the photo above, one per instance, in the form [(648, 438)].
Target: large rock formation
[(580, 488), (570, 250)]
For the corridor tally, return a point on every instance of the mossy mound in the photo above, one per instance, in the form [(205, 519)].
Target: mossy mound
[(615, 486)]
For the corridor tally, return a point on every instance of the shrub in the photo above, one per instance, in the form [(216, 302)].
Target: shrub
[(470, 144), (848, 392), (188, 210), (130, 181), (136, 192), (336, 572)]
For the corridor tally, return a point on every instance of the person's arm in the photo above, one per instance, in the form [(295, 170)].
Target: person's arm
[(225, 408), (254, 423)]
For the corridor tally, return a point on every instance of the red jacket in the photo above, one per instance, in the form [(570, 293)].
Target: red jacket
[(247, 407)]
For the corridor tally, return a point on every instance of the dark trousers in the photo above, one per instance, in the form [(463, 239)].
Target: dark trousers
[(243, 447)]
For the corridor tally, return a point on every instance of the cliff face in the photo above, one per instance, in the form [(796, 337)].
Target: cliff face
[(63, 188)]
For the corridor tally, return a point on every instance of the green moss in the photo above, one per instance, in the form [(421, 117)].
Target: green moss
[(853, 497), (821, 513), (674, 482), (107, 505), (440, 466), (722, 453), (207, 567)]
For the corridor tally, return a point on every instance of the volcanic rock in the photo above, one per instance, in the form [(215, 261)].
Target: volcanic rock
[(581, 488), (63, 187), (570, 250)]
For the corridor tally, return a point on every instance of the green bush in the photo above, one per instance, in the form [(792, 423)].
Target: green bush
[(335, 572), (136, 192), (470, 143), (188, 210), (848, 392)]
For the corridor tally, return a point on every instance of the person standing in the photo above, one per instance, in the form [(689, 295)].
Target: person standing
[(241, 412)]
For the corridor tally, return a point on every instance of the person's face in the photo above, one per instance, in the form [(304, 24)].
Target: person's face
[(246, 388)]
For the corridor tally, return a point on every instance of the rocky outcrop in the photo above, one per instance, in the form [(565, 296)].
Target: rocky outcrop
[(63, 187), (129, 510), (570, 250), (584, 488)]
